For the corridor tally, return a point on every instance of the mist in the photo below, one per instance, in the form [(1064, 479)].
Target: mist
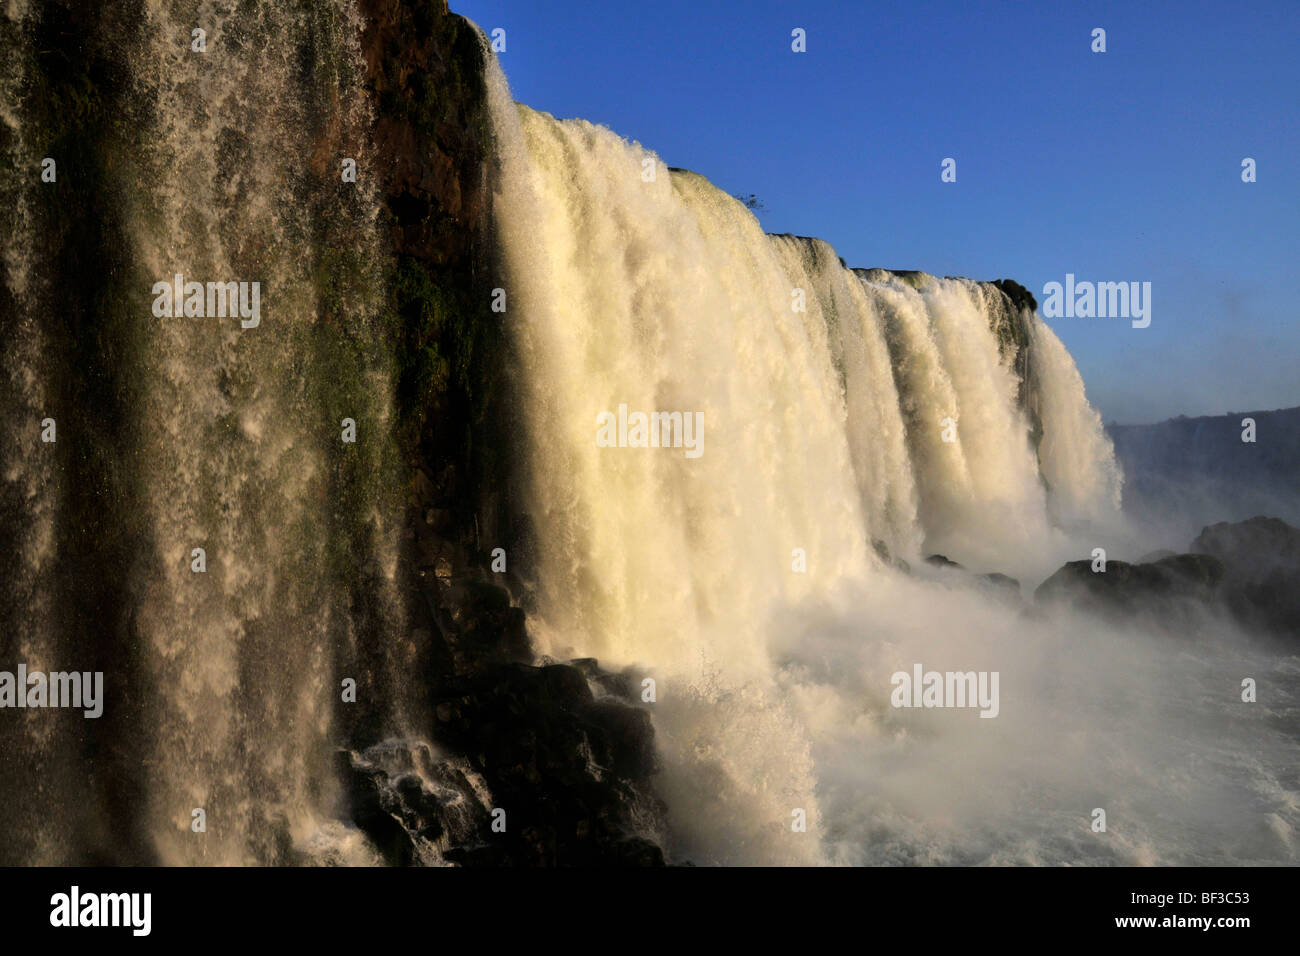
[(860, 422)]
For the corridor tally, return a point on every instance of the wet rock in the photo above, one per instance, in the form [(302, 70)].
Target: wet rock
[(1021, 298), (572, 771), (1247, 571), (604, 682), (571, 767), (414, 803), (1262, 560), (1170, 591), (882, 551), (1002, 582)]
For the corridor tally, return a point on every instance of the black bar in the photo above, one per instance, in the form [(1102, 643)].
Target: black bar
[(607, 909)]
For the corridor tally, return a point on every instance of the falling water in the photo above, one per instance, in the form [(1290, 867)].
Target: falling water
[(244, 425), (202, 532), (852, 421), (28, 488), (263, 548)]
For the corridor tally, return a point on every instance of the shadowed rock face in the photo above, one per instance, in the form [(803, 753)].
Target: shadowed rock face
[(575, 763), (1249, 570), (568, 767), (425, 71)]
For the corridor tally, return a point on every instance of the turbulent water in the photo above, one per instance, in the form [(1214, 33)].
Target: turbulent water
[(758, 582), (28, 493), (251, 646), (225, 169), (765, 578)]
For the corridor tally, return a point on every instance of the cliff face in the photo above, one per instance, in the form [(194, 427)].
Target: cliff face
[(561, 748), (1185, 473), (432, 147)]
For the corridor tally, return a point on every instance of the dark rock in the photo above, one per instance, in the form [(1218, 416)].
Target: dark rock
[(1249, 571), (1171, 590), (940, 561), (882, 550), (1262, 584), (433, 146), (1002, 581), (618, 685), (572, 771), (367, 797), (481, 628), (414, 804), (1020, 297)]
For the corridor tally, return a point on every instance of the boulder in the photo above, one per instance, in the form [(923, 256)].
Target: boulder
[(1171, 591), (1262, 584), (571, 768), (1001, 582)]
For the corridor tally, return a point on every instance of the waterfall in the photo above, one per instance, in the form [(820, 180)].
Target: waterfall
[(825, 420), (223, 167), (28, 489), (735, 463), (852, 421), (244, 450), (824, 423)]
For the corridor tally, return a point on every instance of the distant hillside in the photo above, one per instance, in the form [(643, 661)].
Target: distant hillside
[(1185, 473)]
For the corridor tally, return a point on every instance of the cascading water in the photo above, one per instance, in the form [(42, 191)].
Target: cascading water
[(840, 409), (225, 168), (28, 491), (244, 455), (202, 533)]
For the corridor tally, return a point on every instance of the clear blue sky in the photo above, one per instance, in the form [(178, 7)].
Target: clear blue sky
[(1117, 166)]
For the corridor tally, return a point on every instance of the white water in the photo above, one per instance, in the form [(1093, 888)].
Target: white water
[(28, 489), (822, 432), (241, 427)]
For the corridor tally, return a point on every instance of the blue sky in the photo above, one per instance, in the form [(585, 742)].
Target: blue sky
[(1115, 166)]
